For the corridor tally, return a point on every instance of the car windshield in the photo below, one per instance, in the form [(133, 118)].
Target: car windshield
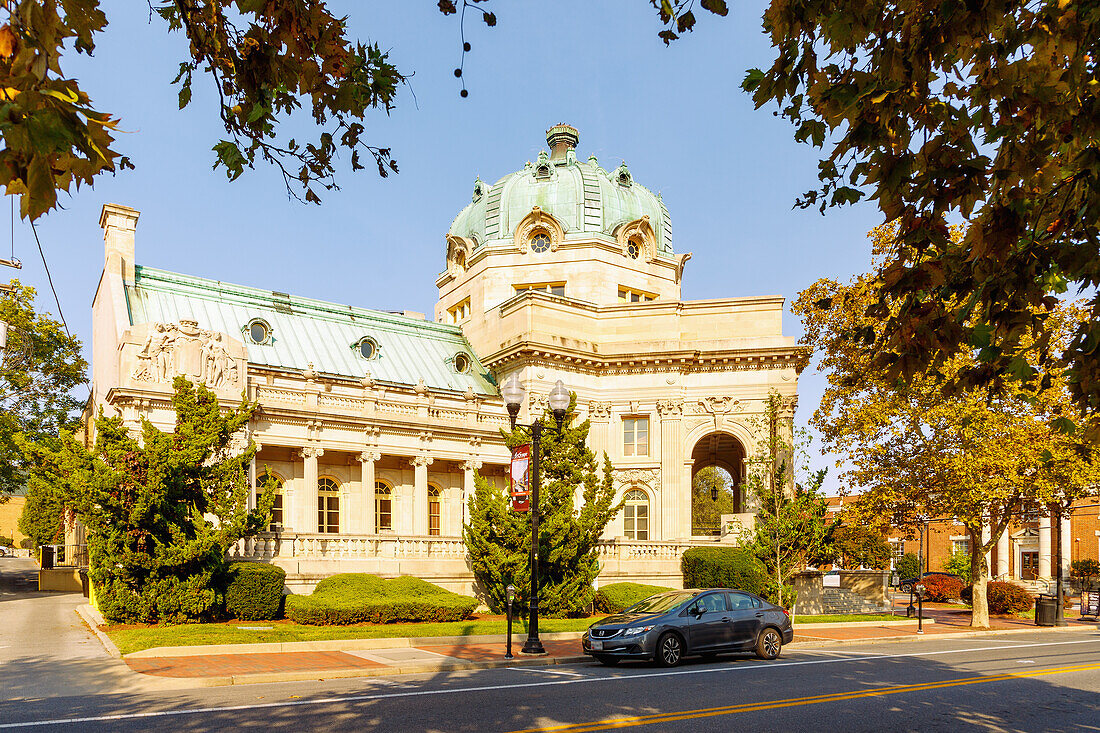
[(663, 602)]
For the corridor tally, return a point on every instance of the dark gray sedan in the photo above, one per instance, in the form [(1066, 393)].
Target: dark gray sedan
[(669, 626)]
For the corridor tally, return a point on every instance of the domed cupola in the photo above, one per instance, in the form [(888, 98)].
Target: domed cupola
[(580, 197)]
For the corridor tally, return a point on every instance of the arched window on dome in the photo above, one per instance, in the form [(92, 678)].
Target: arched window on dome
[(636, 515)]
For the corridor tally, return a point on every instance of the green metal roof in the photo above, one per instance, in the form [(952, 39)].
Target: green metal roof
[(306, 331)]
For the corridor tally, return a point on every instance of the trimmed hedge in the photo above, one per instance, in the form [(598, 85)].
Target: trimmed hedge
[(254, 591), (1006, 598), (941, 588), (615, 597), (722, 567), (353, 598)]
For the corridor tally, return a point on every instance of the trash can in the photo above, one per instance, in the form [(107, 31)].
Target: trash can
[(1046, 610), (47, 557)]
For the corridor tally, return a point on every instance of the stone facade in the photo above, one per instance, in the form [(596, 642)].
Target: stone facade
[(375, 424)]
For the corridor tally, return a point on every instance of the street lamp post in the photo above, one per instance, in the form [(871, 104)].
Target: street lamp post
[(514, 393)]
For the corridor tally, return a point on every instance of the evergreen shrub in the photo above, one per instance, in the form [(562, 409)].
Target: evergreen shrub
[(254, 591), (618, 596), (1007, 598), (353, 598), (908, 566), (722, 567), (941, 588)]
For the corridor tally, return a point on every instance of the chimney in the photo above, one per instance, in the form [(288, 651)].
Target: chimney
[(561, 138), (118, 224)]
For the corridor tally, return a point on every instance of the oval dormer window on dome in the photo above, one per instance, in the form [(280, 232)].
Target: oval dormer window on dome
[(367, 347), (461, 363), (259, 332), (540, 242), (633, 249)]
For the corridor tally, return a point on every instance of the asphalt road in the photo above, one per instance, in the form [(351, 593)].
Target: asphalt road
[(1024, 682)]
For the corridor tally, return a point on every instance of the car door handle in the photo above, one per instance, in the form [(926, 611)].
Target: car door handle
[(727, 619), (760, 615)]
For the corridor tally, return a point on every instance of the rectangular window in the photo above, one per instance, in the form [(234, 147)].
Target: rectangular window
[(551, 288), (630, 295), (383, 514), (962, 546), (328, 514), (897, 552), (635, 436), (460, 312)]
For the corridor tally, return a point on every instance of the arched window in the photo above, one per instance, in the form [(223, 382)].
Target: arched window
[(434, 513), (328, 505), (383, 507), (276, 522), (636, 515)]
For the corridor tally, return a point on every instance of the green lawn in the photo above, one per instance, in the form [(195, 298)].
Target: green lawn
[(134, 638)]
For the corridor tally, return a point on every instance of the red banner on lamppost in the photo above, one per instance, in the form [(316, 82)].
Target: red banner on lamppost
[(521, 478)]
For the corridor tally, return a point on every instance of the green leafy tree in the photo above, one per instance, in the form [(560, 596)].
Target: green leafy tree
[(266, 61), (959, 563), (977, 111), (39, 368), (791, 530), (706, 512), (908, 566), (857, 546), (43, 517), (499, 540), (161, 512), (1084, 571)]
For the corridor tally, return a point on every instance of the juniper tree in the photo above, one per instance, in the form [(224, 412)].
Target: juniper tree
[(499, 540), (162, 512)]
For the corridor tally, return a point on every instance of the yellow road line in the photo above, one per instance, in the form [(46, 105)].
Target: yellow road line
[(669, 717)]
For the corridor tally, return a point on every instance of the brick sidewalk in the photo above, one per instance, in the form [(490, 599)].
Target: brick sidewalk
[(428, 657)]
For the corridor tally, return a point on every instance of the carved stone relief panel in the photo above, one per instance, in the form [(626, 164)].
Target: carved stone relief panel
[(163, 351), (599, 410)]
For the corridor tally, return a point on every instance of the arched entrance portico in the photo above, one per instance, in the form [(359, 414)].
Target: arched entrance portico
[(717, 481)]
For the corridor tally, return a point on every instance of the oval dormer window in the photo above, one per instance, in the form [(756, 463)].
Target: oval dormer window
[(461, 363), (633, 249), (540, 242), (367, 347), (258, 331)]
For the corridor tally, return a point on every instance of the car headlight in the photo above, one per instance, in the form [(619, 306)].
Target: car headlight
[(635, 630)]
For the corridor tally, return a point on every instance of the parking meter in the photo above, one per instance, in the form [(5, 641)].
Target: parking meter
[(919, 590)]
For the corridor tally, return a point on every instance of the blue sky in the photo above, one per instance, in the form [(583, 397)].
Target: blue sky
[(728, 173)]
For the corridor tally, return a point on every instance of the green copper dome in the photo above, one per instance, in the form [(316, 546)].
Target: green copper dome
[(582, 196)]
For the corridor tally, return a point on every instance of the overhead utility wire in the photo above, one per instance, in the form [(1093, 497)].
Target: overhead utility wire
[(48, 277)]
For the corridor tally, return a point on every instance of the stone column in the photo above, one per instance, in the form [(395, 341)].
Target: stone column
[(366, 508), (468, 488), (1067, 544), (420, 494), (307, 497), (986, 534), (1044, 547), (673, 496), (1003, 545)]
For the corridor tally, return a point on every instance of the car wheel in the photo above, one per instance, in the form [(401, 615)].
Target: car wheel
[(769, 643), (606, 661), (670, 650)]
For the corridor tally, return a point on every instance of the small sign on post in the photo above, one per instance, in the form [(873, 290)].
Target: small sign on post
[(521, 478)]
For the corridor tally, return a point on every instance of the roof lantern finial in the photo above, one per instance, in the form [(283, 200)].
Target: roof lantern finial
[(561, 138)]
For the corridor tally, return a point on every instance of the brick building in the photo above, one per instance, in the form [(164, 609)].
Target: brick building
[(1024, 552)]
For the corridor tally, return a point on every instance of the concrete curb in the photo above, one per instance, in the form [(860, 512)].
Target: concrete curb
[(817, 643), (332, 674), (427, 668), (93, 618), (859, 624), (342, 645)]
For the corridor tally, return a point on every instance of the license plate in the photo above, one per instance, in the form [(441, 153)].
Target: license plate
[(595, 645)]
